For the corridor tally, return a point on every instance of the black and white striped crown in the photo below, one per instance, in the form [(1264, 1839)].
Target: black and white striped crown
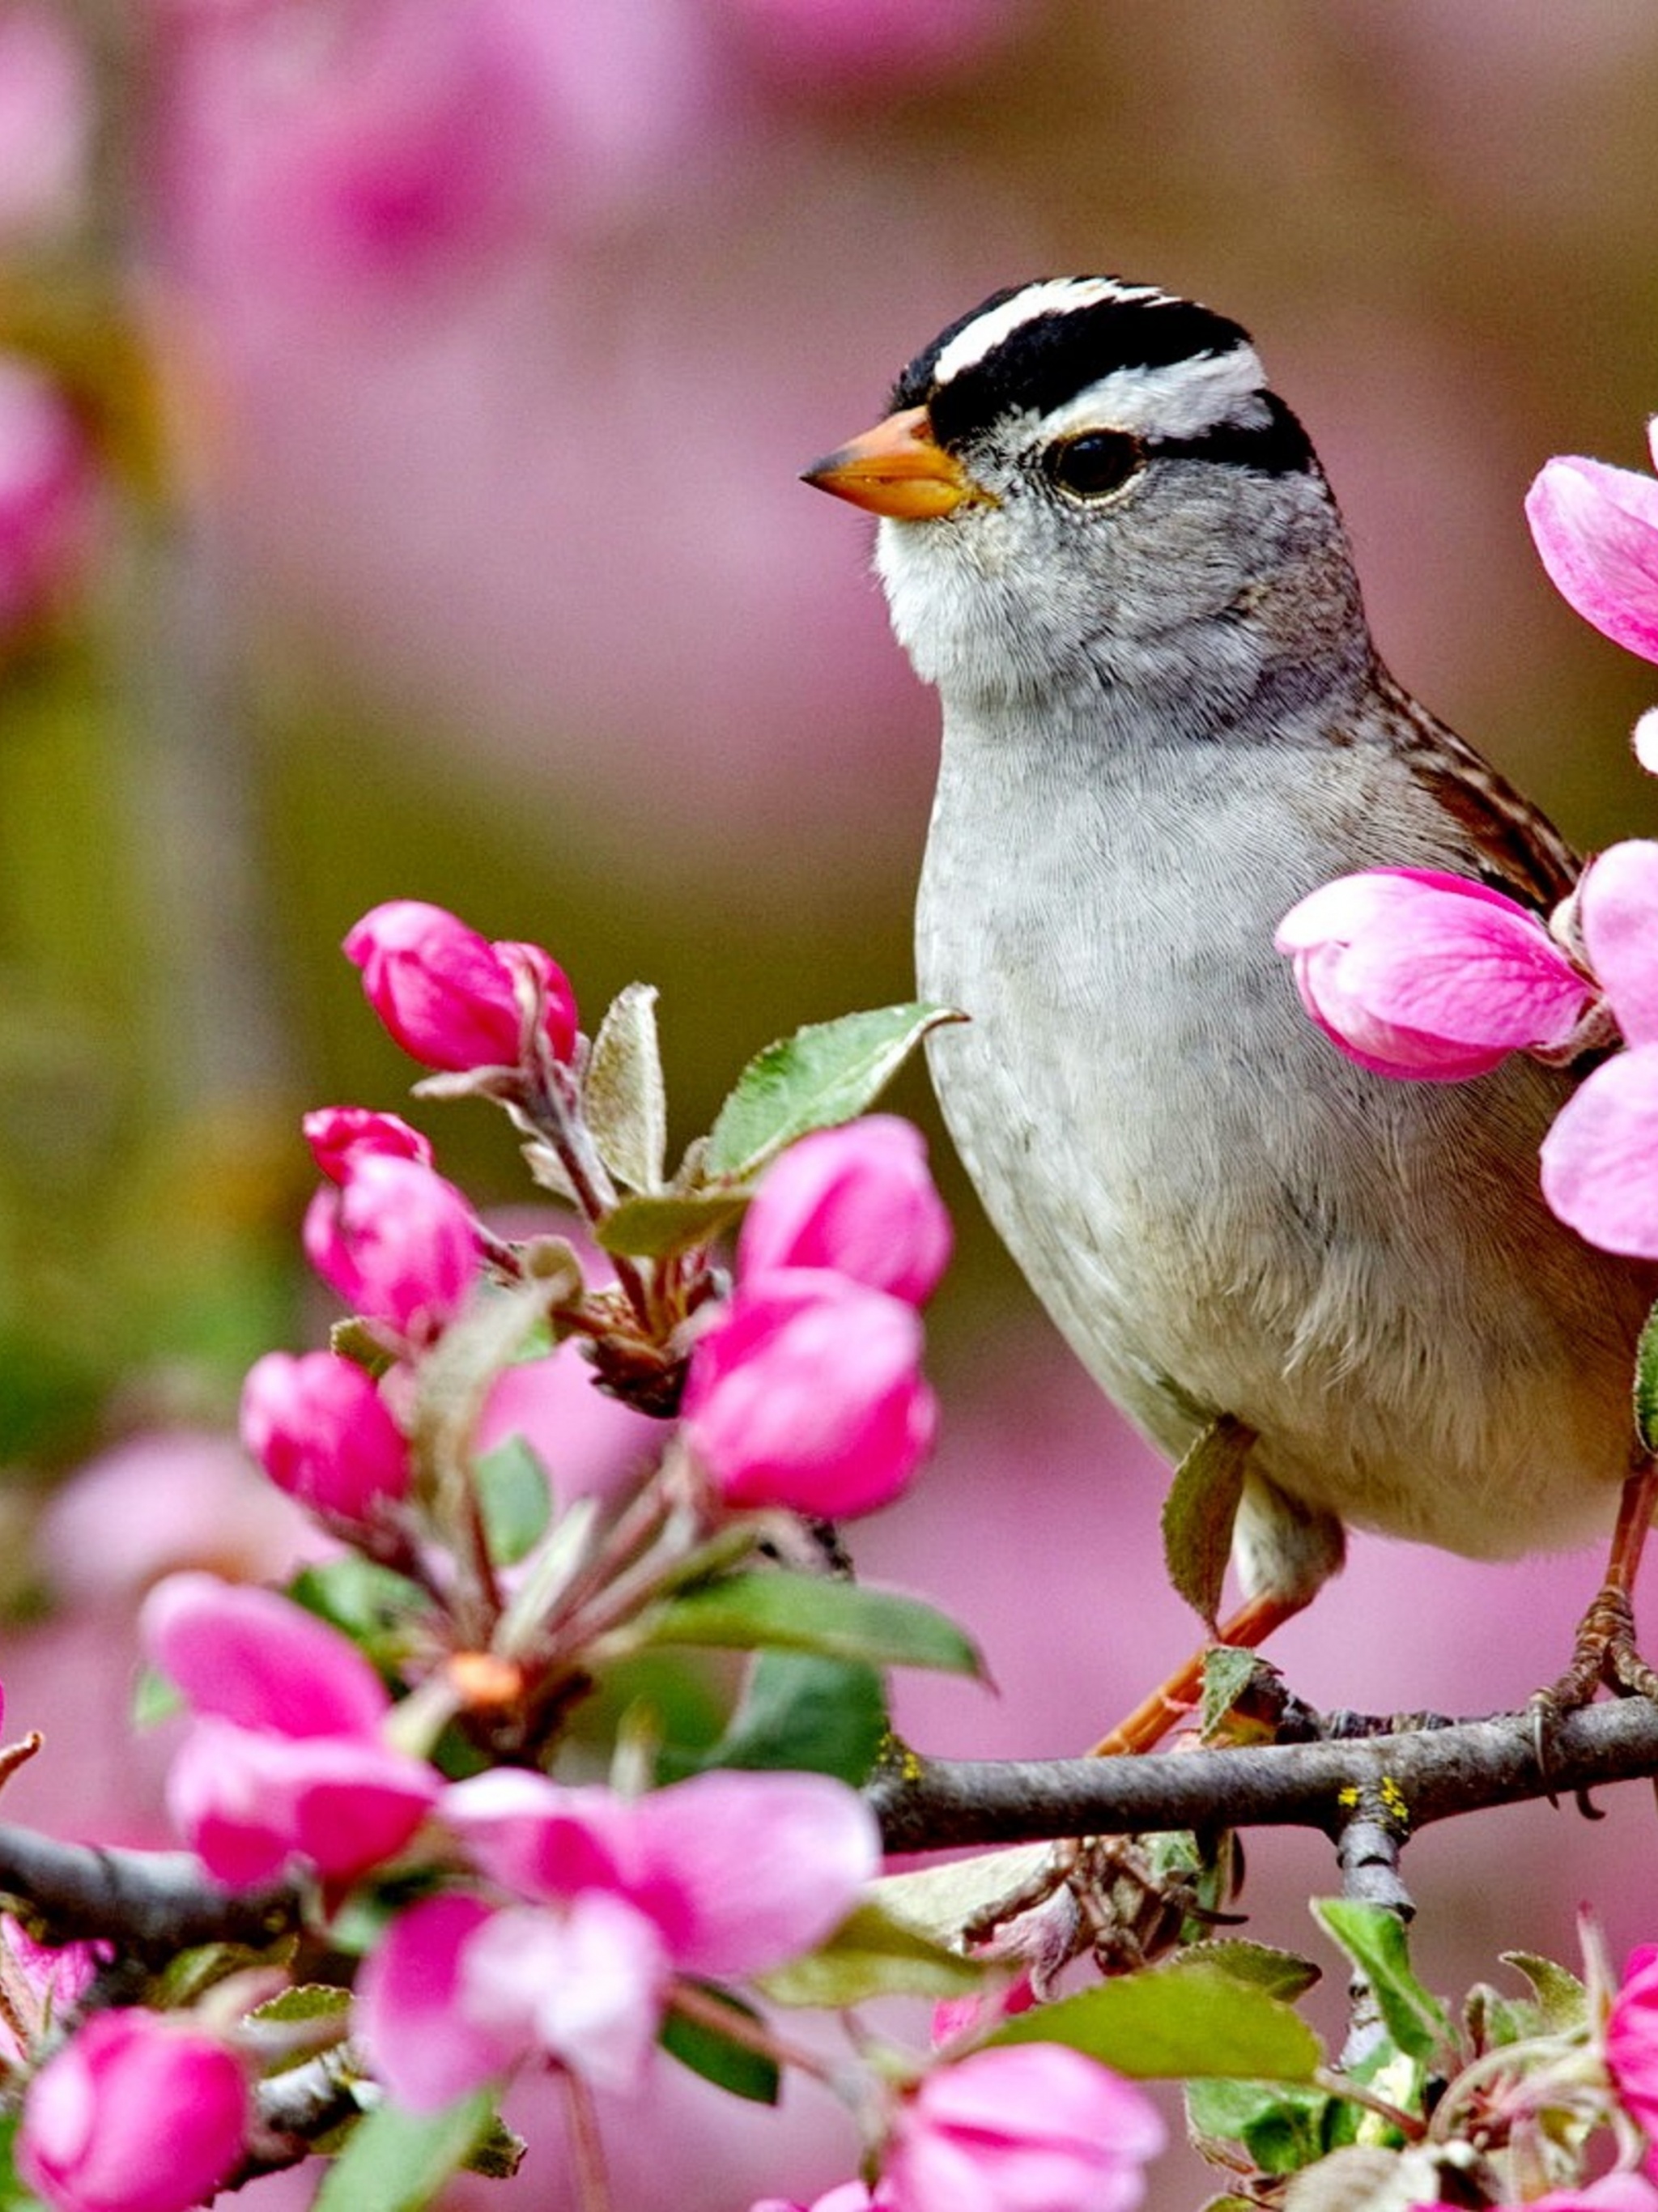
[(1077, 352)]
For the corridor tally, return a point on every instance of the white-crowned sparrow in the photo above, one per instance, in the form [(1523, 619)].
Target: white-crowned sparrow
[(1112, 548)]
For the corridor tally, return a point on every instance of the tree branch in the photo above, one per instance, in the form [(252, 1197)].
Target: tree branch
[(1425, 1775), (151, 1905)]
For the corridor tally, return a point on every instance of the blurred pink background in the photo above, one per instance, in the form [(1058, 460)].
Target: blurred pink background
[(442, 371)]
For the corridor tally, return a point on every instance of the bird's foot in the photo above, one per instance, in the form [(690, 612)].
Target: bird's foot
[(1604, 1656)]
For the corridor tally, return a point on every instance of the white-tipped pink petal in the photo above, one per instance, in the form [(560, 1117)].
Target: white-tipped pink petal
[(425, 2043), (1601, 1158), (1618, 906), (1596, 532)]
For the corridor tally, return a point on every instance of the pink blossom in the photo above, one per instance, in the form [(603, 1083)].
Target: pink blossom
[(48, 497), (858, 1200), (737, 1872), (1019, 2130), (456, 1994), (449, 997), (1596, 532), (1632, 2038), (397, 1242), (259, 1659), (137, 2113), (318, 1427), (286, 1758), (1600, 1160), (335, 1133), (45, 119), (248, 1801), (1613, 2192), (1416, 974), (806, 1393)]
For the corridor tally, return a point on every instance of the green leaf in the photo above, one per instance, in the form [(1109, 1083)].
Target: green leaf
[(652, 1228), (371, 1604), (1198, 1512), (1282, 2128), (622, 1094), (153, 1698), (1562, 2000), (1646, 1384), (720, 2058), (515, 1499), (1228, 1671), (940, 1900), (397, 2162), (821, 1076), (807, 1612), (802, 1711), (1281, 1973), (873, 1955), (1175, 2022), (1375, 1940)]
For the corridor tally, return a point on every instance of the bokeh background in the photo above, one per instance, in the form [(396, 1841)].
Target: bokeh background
[(401, 409)]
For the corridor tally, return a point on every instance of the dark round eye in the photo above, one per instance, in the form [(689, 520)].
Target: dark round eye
[(1093, 463)]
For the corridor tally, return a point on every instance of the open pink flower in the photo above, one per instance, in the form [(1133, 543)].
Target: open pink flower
[(318, 1427), (1416, 974), (807, 1393), (135, 2113), (287, 1757), (449, 997), (1015, 2128), (396, 1241), (1600, 1157), (724, 1875), (858, 1200)]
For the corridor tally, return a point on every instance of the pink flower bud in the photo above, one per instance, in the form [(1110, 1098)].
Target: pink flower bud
[(1010, 2129), (48, 498), (319, 1429), (135, 2113), (1632, 2039), (397, 1242), (336, 1134), (1596, 534), (857, 1199), (448, 996), (807, 1393), (1416, 974)]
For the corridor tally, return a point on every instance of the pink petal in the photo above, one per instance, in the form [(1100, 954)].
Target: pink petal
[(858, 1199), (1601, 1158), (1619, 909), (258, 1659), (539, 1839), (1646, 740), (1596, 532), (590, 1981), (742, 1871), (425, 2046)]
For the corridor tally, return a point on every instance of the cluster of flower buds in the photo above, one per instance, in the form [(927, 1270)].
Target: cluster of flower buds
[(1432, 977)]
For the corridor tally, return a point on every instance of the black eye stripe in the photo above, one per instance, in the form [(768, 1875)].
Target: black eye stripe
[(1276, 447)]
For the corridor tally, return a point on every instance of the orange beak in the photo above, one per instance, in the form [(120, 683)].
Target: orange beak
[(898, 469)]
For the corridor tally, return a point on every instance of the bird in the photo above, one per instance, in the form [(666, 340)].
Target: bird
[(1111, 548)]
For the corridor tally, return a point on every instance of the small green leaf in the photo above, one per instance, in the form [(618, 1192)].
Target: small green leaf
[(1282, 2128), (822, 1075), (622, 1094), (720, 2058), (1562, 1999), (514, 1498), (1198, 1512), (802, 1711), (939, 1901), (1281, 1973), (871, 1954), (1176, 2022), (1375, 1940), (371, 1604), (305, 2001), (1228, 1671), (652, 1228), (397, 2162), (806, 1612), (1646, 1384)]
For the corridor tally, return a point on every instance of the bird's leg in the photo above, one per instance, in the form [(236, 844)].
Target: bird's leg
[(1605, 1650), (1172, 1701)]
